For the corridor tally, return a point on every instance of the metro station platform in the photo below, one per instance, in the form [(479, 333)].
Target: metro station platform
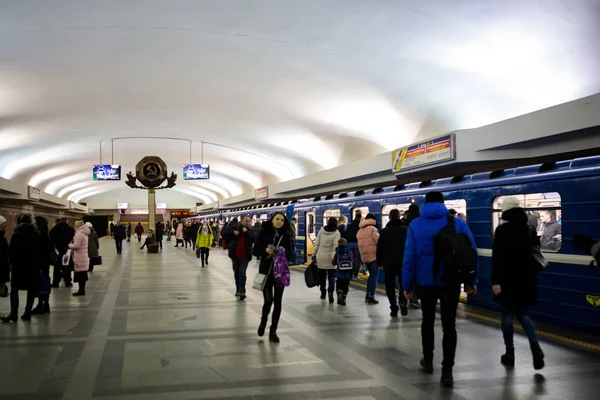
[(160, 327)]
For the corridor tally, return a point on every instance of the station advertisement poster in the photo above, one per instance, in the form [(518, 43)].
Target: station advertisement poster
[(192, 172), (424, 154), (33, 193), (261, 193)]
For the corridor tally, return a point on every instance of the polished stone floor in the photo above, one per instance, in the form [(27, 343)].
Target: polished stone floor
[(160, 327)]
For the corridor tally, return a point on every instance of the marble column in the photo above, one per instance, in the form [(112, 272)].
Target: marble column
[(152, 209)]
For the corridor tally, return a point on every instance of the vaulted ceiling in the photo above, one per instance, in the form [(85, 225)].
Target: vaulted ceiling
[(276, 88)]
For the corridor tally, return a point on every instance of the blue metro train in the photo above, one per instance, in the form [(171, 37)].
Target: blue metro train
[(564, 192)]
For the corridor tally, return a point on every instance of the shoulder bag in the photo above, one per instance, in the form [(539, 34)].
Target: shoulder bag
[(260, 280)]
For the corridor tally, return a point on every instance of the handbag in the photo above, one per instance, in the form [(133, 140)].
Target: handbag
[(311, 275), (260, 280), (66, 258), (539, 260), (97, 260)]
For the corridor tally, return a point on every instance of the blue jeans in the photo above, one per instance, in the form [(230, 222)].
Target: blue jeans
[(353, 247), (372, 282), (520, 312), (239, 274)]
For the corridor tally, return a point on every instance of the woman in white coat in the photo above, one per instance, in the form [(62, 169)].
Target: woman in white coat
[(325, 245)]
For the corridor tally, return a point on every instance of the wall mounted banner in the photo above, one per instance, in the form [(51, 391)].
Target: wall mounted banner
[(261, 193), (161, 206), (122, 206), (424, 154), (33, 193)]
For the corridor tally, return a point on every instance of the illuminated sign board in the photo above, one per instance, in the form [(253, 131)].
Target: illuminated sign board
[(107, 172), (161, 206), (424, 154), (180, 213), (122, 206), (261, 193), (193, 172)]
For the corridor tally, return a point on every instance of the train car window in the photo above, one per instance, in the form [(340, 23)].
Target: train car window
[(459, 205), (363, 211), (385, 212), (544, 214), (331, 213)]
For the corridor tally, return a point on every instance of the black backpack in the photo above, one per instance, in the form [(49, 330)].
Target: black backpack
[(457, 253)]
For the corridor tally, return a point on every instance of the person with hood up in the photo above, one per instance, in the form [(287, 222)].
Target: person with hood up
[(139, 230), (367, 237), (418, 269), (390, 256), (47, 258), (25, 256), (4, 264), (120, 236), (241, 238), (81, 261), (275, 234), (204, 241), (324, 252), (179, 235), (514, 278), (61, 235), (94, 245), (350, 236)]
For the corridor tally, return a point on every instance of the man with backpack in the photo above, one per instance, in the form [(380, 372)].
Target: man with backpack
[(440, 255)]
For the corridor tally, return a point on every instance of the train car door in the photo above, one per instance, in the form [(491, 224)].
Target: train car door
[(311, 233)]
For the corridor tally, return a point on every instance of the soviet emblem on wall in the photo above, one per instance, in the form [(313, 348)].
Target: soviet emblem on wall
[(151, 171)]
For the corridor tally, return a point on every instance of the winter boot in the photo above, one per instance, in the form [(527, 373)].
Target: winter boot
[(273, 336), (262, 327), (447, 379), (323, 294), (508, 358), (538, 355), (343, 299), (426, 366), (330, 297), (372, 301), (394, 313), (340, 296)]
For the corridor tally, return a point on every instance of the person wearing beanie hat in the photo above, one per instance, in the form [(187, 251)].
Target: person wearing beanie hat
[(418, 270), (514, 277), (4, 265)]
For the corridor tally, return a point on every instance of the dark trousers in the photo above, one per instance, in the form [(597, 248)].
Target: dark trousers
[(448, 297), (14, 301), (119, 244), (393, 275), (139, 235), (272, 295), (159, 242), (239, 274), (342, 285), (204, 251), (177, 241), (326, 275), (61, 272)]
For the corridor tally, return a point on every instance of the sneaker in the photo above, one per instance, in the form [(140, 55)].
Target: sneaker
[(394, 313), (426, 366), (242, 296), (447, 379), (372, 301)]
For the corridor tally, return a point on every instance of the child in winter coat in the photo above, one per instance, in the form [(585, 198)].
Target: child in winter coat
[(344, 262), (204, 241)]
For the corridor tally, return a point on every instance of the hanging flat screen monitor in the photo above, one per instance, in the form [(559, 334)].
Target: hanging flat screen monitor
[(193, 172), (107, 172)]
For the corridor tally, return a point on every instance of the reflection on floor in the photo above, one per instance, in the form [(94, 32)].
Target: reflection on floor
[(160, 327)]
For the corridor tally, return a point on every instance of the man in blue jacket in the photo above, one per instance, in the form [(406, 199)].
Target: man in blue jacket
[(418, 270)]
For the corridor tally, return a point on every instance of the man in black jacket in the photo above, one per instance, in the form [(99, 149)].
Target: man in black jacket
[(350, 236), (160, 230), (390, 255), (61, 235), (241, 238), (120, 232)]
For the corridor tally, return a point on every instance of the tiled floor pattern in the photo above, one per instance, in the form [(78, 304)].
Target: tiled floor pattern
[(160, 327)]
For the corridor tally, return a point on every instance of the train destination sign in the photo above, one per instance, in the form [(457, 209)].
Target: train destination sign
[(424, 154)]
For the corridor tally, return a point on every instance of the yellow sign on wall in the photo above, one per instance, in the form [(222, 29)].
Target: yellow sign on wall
[(593, 300)]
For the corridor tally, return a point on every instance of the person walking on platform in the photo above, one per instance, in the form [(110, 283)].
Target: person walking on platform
[(129, 232), (275, 233), (204, 241), (160, 231), (93, 246), (514, 277), (324, 252), (194, 234), (179, 235), (390, 256), (139, 230), (241, 238), (81, 261), (25, 256), (367, 237), (421, 267), (119, 237), (61, 235), (4, 264), (344, 263), (350, 236), (168, 230), (111, 228)]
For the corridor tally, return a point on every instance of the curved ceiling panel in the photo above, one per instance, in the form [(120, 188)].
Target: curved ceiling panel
[(280, 88)]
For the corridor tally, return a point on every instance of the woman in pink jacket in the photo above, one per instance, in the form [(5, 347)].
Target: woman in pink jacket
[(179, 235), (81, 262), (367, 237)]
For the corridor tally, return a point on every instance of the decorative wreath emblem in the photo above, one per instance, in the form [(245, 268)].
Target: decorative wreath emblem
[(151, 171)]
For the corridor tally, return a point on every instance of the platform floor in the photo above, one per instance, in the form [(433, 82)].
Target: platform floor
[(160, 327)]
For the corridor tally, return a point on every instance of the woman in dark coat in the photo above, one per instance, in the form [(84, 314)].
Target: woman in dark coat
[(48, 257), (24, 254), (514, 277), (4, 265), (275, 231)]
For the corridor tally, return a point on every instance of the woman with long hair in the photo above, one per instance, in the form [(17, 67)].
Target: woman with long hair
[(327, 240), (275, 233)]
